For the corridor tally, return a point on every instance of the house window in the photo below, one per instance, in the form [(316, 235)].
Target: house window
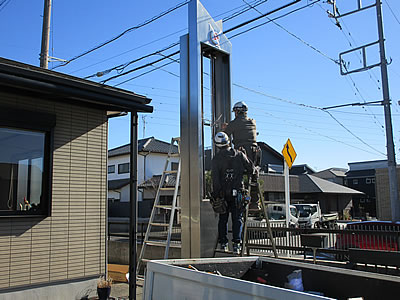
[(174, 166), (355, 181), (368, 180), (111, 169), (25, 162), (373, 180), (24, 172), (123, 168)]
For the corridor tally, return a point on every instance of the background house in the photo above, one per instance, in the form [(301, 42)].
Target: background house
[(332, 197), (301, 169), (336, 175), (309, 189), (271, 160), (53, 172), (152, 155), (361, 177)]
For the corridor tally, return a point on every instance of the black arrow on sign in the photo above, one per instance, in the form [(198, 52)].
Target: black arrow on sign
[(287, 149)]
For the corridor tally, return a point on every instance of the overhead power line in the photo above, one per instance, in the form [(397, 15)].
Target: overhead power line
[(228, 30), (156, 68), (151, 20), (3, 4), (121, 67), (130, 50), (313, 107), (357, 137), (245, 9), (293, 35), (391, 10), (236, 14), (326, 136), (262, 16), (269, 21), (140, 67)]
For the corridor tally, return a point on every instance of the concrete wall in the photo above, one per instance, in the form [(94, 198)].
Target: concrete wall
[(70, 244), (118, 252), (384, 211)]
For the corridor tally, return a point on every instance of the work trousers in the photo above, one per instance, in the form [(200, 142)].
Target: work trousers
[(237, 223)]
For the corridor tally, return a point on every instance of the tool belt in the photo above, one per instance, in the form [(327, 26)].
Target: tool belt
[(242, 199), (219, 205)]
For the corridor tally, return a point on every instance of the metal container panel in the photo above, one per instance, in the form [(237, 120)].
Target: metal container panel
[(166, 280)]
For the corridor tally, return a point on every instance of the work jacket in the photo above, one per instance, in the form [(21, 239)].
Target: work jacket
[(228, 167), (243, 130)]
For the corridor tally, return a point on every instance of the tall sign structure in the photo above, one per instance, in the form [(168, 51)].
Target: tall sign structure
[(205, 39)]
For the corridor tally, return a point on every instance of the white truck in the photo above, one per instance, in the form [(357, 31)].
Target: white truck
[(278, 212), (310, 216)]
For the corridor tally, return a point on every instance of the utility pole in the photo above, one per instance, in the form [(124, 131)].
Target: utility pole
[(391, 159), (391, 156), (44, 53)]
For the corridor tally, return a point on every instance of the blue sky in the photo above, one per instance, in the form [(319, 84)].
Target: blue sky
[(284, 72)]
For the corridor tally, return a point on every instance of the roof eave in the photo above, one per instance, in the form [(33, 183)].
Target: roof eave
[(25, 78)]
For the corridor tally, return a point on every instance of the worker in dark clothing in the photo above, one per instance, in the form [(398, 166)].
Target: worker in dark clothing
[(228, 168), (244, 134)]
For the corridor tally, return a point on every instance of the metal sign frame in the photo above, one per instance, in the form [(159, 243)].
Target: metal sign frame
[(205, 38)]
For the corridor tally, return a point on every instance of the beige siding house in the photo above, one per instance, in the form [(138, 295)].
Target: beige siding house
[(53, 181)]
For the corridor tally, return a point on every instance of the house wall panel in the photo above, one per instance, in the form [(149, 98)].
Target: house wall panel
[(383, 205), (34, 251)]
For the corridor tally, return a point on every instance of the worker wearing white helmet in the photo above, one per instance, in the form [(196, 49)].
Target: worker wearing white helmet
[(244, 137), (227, 169), (242, 128)]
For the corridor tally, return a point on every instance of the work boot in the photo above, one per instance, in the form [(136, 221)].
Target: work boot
[(223, 247), (236, 248)]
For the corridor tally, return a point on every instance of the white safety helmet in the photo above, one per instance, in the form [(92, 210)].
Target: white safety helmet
[(221, 139), (240, 107)]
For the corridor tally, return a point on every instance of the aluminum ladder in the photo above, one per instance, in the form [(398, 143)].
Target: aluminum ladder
[(262, 214), (161, 212)]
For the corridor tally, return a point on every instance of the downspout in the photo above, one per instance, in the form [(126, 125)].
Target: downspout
[(133, 204), (144, 170)]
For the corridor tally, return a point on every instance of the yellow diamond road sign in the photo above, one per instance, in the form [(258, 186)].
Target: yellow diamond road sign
[(288, 153)]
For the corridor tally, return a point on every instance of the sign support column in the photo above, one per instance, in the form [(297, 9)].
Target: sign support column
[(287, 192), (289, 156)]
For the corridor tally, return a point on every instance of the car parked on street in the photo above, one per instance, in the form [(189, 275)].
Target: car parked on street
[(372, 235)]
